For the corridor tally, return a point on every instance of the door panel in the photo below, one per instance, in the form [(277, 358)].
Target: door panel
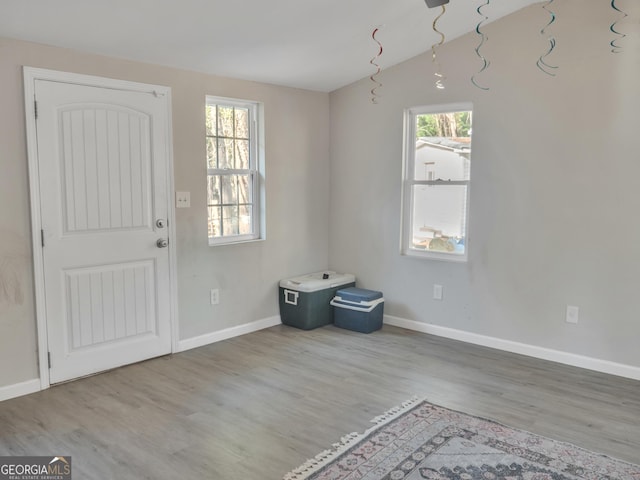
[(103, 157), (106, 168), (109, 303)]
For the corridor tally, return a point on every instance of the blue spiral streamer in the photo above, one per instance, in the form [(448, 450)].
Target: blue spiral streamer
[(483, 39), (439, 76), (541, 63), (615, 48)]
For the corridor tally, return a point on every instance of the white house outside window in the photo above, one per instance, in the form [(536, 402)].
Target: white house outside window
[(437, 160), (234, 177)]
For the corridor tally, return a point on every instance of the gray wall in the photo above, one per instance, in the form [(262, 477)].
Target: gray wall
[(554, 196), (553, 200), (297, 169)]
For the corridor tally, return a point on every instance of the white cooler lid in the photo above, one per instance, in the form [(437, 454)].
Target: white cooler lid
[(314, 281)]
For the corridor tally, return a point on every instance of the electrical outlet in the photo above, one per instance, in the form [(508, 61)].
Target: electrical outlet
[(215, 296), (183, 199), (572, 314), (437, 292)]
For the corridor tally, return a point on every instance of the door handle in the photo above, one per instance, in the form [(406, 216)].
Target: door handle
[(162, 243)]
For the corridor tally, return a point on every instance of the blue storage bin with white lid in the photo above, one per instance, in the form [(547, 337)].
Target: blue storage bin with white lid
[(358, 309)]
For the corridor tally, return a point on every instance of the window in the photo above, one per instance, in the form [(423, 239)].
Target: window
[(234, 173), (437, 159)]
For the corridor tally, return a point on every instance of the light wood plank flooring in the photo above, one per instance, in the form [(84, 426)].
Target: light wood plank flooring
[(257, 406)]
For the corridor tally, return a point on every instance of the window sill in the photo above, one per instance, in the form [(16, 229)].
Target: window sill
[(236, 241), (433, 255)]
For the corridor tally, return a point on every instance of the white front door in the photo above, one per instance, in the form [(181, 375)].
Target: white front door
[(103, 156)]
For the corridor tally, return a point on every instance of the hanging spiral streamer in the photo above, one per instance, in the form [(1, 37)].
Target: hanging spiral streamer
[(483, 39), (439, 76), (374, 94), (542, 65), (615, 48)]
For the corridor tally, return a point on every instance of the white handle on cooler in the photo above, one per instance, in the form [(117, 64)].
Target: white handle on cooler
[(368, 308)]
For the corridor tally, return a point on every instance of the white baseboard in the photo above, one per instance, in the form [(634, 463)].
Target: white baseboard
[(558, 356), (207, 338), (19, 389), (32, 386)]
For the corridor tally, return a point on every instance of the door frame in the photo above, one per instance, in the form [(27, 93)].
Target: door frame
[(31, 74)]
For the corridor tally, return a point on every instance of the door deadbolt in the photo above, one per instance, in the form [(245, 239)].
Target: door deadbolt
[(161, 223)]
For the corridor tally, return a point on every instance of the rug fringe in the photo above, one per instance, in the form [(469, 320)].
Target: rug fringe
[(395, 411), (314, 464)]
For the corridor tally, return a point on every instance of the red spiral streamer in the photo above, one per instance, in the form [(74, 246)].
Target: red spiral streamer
[(374, 93)]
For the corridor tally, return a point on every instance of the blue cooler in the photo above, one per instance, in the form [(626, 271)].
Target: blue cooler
[(358, 309)]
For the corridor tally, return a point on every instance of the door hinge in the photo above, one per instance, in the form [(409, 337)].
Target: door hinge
[(35, 108), (42, 237), (49, 358)]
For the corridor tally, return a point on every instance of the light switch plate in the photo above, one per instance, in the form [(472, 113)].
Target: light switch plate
[(183, 199), (437, 292)]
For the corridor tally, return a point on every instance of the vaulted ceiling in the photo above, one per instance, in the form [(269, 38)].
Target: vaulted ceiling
[(312, 44)]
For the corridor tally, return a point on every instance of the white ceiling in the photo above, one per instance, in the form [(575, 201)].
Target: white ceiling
[(312, 44)]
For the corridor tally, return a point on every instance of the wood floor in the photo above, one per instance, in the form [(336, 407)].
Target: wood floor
[(257, 406)]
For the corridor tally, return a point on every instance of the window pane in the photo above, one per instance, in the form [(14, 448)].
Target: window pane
[(230, 220), (212, 153), (215, 221), (244, 188), (442, 159), (210, 119), (245, 220), (439, 218), (229, 189), (242, 154), (225, 121), (213, 190), (225, 153), (446, 124), (242, 123)]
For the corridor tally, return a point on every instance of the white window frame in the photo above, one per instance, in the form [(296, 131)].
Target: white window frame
[(408, 182), (255, 170)]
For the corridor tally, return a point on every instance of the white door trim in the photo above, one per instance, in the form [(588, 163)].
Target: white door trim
[(32, 74)]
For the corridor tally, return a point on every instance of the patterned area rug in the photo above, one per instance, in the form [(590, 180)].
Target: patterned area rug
[(420, 440)]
